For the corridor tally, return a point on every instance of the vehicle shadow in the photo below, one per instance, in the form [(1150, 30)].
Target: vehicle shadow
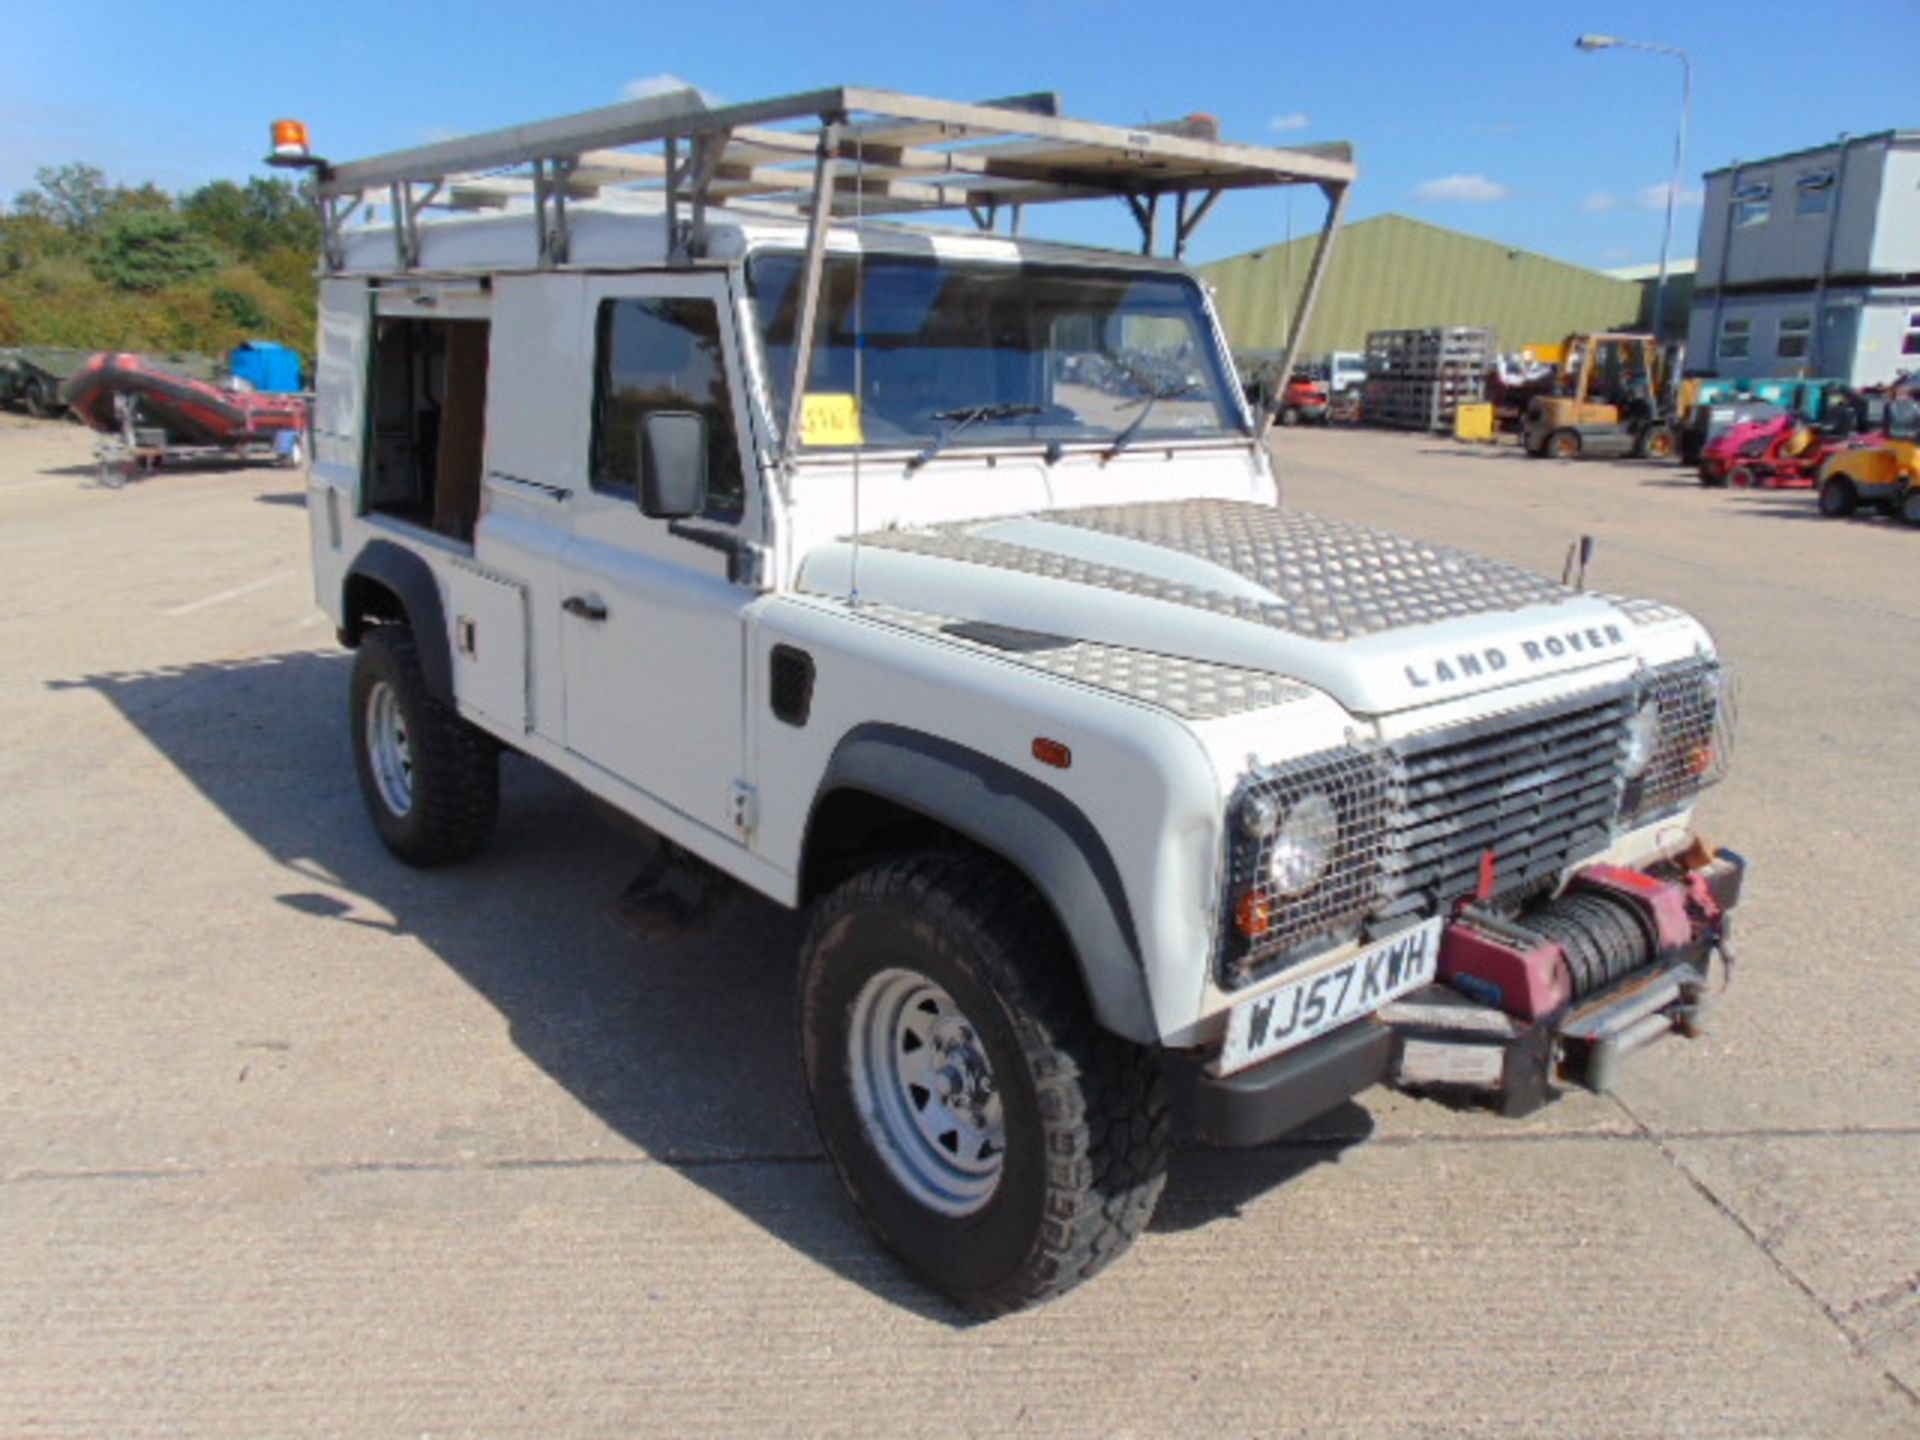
[(1205, 1185), (685, 1045)]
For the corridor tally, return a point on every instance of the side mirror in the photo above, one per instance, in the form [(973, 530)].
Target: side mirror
[(673, 464)]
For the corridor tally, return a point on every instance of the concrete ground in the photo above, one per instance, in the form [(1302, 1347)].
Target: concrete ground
[(294, 1140)]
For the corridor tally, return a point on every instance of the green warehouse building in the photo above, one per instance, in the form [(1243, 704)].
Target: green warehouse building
[(1392, 273)]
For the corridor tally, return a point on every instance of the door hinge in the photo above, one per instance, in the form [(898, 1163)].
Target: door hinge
[(743, 807)]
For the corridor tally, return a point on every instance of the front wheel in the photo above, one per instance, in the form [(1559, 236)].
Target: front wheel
[(430, 780), (990, 1134), (39, 402), (1910, 505), (1839, 497), (1564, 445), (1289, 416), (1655, 443)]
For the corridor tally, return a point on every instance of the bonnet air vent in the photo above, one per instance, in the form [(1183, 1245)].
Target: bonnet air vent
[(1006, 637), (790, 684)]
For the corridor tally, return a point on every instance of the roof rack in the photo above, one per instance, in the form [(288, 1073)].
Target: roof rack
[(819, 155)]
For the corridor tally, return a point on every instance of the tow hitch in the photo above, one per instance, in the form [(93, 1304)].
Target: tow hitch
[(1568, 990)]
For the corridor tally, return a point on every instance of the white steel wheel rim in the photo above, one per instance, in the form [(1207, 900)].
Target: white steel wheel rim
[(388, 748), (925, 1092)]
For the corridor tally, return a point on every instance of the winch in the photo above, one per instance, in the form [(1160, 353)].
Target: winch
[(1566, 990)]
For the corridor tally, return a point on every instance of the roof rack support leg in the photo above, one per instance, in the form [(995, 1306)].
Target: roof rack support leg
[(819, 217), (408, 201), (1146, 213), (676, 237), (335, 212), (1336, 193), (708, 151), (550, 178), (1185, 224)]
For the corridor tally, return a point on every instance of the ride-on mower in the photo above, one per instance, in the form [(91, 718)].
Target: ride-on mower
[(1614, 397), (1885, 476)]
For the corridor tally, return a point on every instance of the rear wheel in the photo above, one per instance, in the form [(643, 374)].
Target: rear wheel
[(1564, 445), (1839, 497), (1910, 505), (1711, 475), (1742, 477), (430, 780), (990, 1134), (39, 402), (1289, 416)]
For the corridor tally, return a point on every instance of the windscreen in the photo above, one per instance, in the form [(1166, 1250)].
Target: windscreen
[(1015, 353)]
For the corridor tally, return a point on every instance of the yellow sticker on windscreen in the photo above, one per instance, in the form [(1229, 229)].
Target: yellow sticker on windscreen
[(830, 420)]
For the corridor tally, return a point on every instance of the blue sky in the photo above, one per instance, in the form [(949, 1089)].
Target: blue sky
[(1481, 116)]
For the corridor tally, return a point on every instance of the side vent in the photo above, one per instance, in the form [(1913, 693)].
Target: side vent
[(790, 682)]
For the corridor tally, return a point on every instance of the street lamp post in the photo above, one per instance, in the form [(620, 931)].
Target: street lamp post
[(1614, 42)]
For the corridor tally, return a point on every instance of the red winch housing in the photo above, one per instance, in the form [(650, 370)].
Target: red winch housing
[(1569, 988), (1608, 923)]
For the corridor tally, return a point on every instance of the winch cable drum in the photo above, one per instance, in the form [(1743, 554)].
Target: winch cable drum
[(1604, 937)]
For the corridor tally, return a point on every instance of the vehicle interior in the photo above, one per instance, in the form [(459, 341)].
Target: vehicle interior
[(427, 405)]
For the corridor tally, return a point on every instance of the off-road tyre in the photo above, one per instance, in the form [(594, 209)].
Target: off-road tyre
[(1839, 497), (452, 769), (1910, 505), (1564, 445), (1086, 1129)]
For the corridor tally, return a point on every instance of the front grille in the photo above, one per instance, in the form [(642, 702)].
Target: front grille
[(1539, 788)]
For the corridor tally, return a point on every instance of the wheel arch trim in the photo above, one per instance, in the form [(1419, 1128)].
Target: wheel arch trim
[(1028, 824), (410, 580)]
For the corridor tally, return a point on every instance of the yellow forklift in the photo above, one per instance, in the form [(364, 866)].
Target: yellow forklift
[(1614, 396)]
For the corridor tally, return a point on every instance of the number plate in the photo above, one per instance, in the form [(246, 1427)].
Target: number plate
[(1263, 1027)]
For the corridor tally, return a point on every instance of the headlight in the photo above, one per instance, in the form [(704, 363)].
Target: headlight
[(1303, 844), (1692, 705), (1643, 737)]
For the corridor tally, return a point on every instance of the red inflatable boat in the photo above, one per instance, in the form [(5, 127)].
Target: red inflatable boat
[(191, 412)]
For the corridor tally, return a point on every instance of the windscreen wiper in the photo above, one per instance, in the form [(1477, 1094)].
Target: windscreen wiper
[(960, 419), (1154, 395)]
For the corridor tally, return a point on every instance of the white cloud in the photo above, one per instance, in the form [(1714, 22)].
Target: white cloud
[(648, 86), (1283, 123), (1654, 197), (1600, 200), (1460, 187)]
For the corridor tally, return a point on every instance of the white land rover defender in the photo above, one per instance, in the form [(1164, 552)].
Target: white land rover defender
[(937, 581)]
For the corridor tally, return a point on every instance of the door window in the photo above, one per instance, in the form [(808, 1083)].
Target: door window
[(663, 354)]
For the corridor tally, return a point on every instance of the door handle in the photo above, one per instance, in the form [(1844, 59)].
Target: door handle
[(583, 607)]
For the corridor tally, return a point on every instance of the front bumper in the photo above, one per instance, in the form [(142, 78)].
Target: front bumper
[(1461, 1036)]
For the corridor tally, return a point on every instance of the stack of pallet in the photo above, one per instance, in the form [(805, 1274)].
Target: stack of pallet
[(1415, 378)]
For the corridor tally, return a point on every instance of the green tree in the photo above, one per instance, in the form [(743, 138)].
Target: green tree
[(78, 199), (26, 240), (239, 307), (265, 214), (147, 250)]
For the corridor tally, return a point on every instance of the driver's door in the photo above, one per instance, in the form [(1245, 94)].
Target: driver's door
[(654, 631)]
